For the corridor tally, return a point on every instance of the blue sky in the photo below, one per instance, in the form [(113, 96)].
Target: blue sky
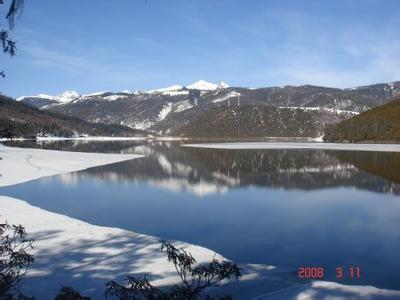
[(91, 45)]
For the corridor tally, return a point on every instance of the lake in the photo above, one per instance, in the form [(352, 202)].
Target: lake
[(287, 208)]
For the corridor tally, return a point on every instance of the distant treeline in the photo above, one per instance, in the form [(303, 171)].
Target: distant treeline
[(249, 121), (381, 124), (21, 120)]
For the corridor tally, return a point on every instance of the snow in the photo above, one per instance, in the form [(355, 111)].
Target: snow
[(71, 252), (318, 139), (91, 138), (332, 110), (167, 89), (141, 125), (202, 85), (20, 164), (331, 290), (207, 86), (80, 138), (115, 97), (226, 97), (182, 106), (222, 85), (45, 96), (176, 93), (175, 90), (294, 145), (96, 94), (67, 96), (164, 111), (63, 98)]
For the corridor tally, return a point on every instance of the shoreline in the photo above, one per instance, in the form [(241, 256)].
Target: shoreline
[(71, 252), (297, 145)]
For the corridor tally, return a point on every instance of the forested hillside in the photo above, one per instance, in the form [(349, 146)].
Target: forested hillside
[(380, 124), (21, 120), (257, 121)]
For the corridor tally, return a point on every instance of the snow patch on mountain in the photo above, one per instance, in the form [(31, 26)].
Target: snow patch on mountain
[(40, 96), (115, 97), (332, 110), (95, 94), (164, 111), (226, 97), (182, 106), (141, 125)]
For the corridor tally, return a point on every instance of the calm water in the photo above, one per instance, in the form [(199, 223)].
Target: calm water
[(281, 207)]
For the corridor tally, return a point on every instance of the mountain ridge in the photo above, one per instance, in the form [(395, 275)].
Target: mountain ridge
[(163, 110)]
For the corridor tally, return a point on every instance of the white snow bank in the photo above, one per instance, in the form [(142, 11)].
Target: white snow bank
[(80, 138), (20, 165), (71, 252), (331, 290), (90, 138), (293, 145)]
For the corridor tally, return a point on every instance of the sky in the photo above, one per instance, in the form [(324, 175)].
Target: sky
[(99, 45)]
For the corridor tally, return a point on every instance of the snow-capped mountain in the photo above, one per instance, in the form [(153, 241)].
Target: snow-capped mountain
[(67, 96), (167, 109), (174, 90), (63, 98), (202, 85)]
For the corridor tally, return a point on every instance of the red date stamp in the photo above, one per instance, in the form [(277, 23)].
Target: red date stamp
[(320, 272), (311, 272)]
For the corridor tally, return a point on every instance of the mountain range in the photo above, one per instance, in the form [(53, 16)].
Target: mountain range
[(176, 109)]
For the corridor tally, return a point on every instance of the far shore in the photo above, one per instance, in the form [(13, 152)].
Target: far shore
[(298, 145)]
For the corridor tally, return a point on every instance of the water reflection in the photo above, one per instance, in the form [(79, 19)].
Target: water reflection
[(205, 171)]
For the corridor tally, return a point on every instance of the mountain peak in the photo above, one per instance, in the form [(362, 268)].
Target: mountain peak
[(223, 85), (172, 88), (68, 96), (202, 85)]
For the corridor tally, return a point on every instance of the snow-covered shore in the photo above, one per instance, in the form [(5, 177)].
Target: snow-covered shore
[(71, 252), (78, 138), (295, 145), (19, 165)]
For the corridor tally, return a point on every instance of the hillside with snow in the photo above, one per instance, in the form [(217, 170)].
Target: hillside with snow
[(164, 110), (19, 120)]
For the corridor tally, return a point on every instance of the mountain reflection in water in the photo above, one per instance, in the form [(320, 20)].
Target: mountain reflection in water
[(204, 171)]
